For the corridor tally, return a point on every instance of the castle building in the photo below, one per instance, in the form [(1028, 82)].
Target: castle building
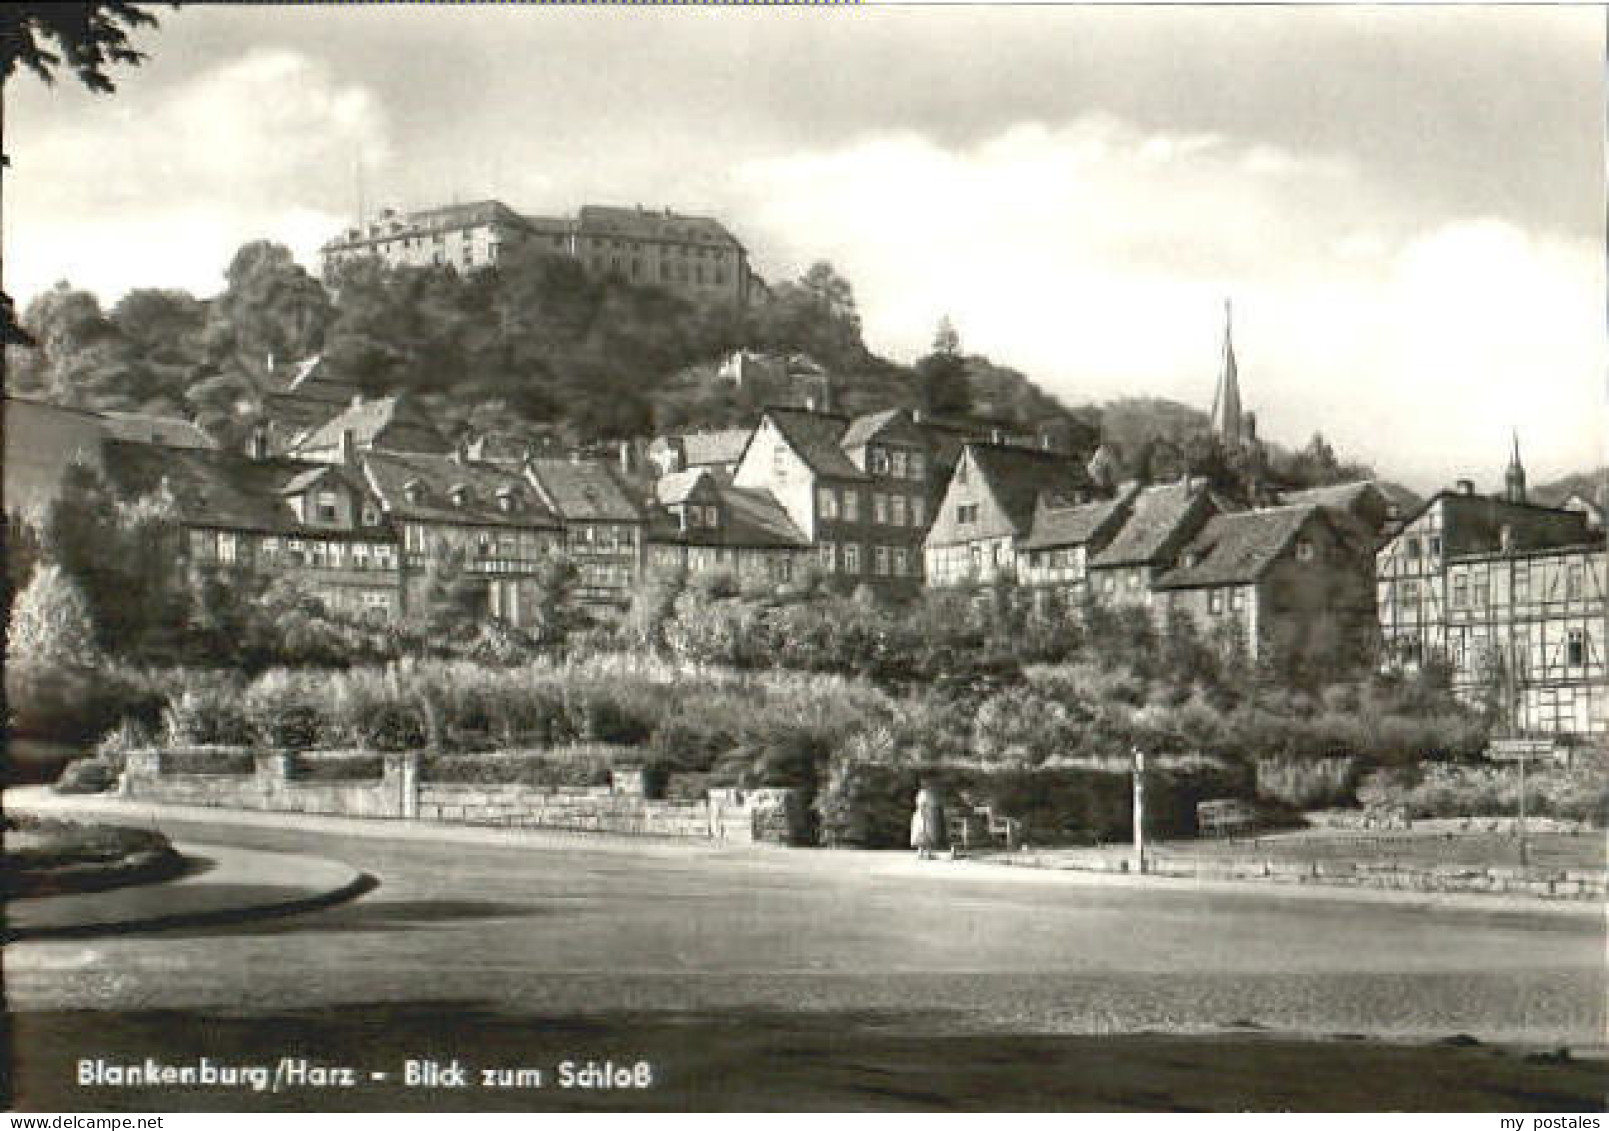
[(1510, 597), (693, 256)]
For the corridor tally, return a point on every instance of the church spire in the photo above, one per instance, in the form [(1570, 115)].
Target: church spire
[(1514, 478), (1226, 415)]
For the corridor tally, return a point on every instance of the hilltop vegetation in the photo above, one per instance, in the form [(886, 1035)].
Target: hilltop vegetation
[(537, 341)]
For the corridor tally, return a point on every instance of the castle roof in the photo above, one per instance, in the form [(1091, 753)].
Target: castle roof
[(392, 423), (437, 479), (816, 437)]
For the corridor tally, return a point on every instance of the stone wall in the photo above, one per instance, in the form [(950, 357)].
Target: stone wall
[(270, 786), (1546, 882), (737, 815)]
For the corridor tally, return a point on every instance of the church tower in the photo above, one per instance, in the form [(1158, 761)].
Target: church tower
[(1514, 477), (1227, 424)]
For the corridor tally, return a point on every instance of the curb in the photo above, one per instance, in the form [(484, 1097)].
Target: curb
[(360, 885)]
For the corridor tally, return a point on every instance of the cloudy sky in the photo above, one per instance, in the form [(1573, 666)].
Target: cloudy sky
[(1407, 205)]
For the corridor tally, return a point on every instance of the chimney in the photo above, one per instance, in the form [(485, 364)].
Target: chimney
[(810, 402), (628, 458), (461, 450), (575, 455), (1505, 538), (357, 400), (349, 447), (268, 363), (1466, 486), (257, 446), (996, 436), (916, 416)]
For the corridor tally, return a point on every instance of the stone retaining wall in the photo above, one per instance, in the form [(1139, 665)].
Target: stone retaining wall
[(1553, 883), (737, 815)]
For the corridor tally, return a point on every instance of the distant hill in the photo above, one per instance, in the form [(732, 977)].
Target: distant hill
[(1587, 484)]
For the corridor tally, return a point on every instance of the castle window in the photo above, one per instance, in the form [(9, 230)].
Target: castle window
[(1215, 601), (325, 507), (829, 557), (851, 505), (1576, 648), (880, 560), (880, 508), (1460, 590), (1412, 546), (1522, 585), (966, 514), (897, 464), (1574, 582), (918, 512), (917, 461), (898, 504), (1305, 550)]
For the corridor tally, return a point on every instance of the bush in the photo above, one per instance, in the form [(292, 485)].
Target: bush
[(579, 766), (207, 711), (221, 760), (336, 767), (73, 705), (50, 623), (1314, 783), (87, 775)]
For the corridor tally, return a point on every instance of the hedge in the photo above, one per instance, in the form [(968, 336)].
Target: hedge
[(321, 767), (869, 805), (208, 760), (574, 766)]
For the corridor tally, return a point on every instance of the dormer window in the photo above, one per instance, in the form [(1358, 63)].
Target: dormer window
[(459, 494), (324, 506), (712, 517), (371, 515), (1306, 551), (413, 490), (507, 500)]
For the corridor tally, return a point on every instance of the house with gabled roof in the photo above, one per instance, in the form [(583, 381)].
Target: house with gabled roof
[(1294, 582), (395, 423), (498, 523), (988, 509), (604, 528), (278, 517), (1064, 535), (1364, 499), (1161, 519), (703, 524), (1510, 596)]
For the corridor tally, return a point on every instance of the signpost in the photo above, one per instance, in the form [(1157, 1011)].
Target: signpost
[(1520, 750)]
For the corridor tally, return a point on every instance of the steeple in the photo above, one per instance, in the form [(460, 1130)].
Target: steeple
[(1514, 478), (1226, 417)]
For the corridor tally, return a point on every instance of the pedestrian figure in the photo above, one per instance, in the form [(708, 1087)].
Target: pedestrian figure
[(927, 823)]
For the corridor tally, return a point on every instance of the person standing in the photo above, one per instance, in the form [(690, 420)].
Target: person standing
[(927, 823)]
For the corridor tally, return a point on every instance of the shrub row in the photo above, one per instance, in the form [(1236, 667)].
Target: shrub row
[(869, 804)]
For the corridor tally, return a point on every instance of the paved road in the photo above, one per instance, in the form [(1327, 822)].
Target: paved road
[(467, 931)]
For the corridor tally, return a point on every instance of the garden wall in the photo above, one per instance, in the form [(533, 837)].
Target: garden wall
[(736, 815)]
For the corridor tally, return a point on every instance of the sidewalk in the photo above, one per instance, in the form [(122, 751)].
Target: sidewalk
[(221, 885)]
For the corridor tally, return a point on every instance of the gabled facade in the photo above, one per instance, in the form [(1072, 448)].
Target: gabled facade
[(988, 508), (1511, 597), (1294, 582), (604, 530), (1064, 537), (864, 526)]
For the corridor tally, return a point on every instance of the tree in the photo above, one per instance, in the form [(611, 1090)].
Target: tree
[(87, 38), (946, 339), (453, 599), (51, 624), (942, 384)]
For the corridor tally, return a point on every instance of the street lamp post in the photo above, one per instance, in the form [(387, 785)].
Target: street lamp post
[(1139, 810)]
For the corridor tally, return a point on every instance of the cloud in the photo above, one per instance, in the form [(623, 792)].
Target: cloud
[(262, 145), (1094, 255)]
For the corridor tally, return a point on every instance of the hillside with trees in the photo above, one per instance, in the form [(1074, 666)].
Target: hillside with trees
[(537, 342)]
